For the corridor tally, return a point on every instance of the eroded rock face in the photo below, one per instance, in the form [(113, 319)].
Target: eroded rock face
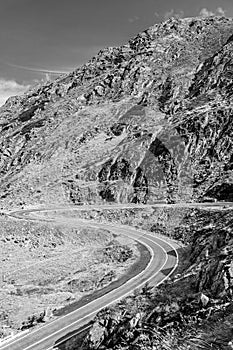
[(192, 310), (212, 254), (148, 120)]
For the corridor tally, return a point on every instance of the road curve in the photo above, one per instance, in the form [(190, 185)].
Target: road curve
[(163, 262), (158, 204)]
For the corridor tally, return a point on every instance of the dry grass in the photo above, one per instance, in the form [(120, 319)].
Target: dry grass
[(45, 266)]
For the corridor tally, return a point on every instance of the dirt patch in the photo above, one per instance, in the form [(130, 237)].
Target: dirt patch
[(134, 270), (47, 267)]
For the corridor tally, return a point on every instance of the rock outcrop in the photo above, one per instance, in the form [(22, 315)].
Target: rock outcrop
[(150, 119), (193, 310)]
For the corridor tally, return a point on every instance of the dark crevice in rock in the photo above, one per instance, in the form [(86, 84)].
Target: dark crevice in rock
[(107, 194), (140, 186), (222, 192), (104, 172), (120, 170)]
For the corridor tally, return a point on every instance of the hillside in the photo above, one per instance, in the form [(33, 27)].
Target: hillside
[(194, 309), (47, 267), (148, 120)]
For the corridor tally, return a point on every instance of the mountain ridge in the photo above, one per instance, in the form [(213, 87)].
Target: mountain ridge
[(117, 128)]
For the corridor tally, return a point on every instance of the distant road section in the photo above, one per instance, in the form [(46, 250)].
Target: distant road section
[(163, 262), (158, 204)]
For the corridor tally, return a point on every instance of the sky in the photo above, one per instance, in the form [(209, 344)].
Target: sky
[(40, 39)]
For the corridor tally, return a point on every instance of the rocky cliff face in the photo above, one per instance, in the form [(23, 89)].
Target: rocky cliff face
[(150, 119), (194, 309), (208, 234)]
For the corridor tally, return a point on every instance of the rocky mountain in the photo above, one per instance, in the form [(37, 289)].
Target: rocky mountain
[(147, 120), (193, 310), (151, 119)]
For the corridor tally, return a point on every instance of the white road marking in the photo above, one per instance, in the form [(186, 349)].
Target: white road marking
[(124, 295)]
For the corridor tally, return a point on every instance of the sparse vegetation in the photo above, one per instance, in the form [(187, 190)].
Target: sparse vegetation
[(149, 120), (47, 267), (191, 311)]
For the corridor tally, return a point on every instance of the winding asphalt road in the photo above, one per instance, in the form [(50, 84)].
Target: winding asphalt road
[(163, 262)]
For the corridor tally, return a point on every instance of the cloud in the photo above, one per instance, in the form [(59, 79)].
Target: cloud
[(174, 14), (206, 13), (38, 70), (220, 11), (133, 19), (47, 76), (168, 14), (10, 88)]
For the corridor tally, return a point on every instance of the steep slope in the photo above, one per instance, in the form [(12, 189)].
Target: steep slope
[(207, 125), (131, 125), (192, 310)]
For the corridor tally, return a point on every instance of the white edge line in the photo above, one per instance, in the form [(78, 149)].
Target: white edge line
[(157, 285), (123, 296), (45, 326), (112, 302), (66, 338)]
